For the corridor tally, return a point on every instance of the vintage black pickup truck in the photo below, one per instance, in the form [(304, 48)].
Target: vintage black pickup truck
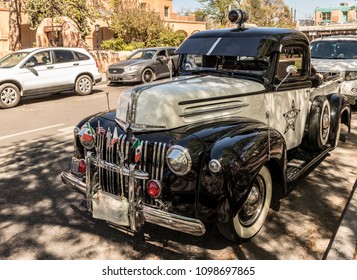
[(223, 142)]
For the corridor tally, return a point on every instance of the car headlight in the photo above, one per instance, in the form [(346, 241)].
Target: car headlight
[(179, 160), (131, 68), (350, 75)]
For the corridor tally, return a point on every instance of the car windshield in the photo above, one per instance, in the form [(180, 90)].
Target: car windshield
[(198, 63), (142, 54), (337, 49), (12, 59)]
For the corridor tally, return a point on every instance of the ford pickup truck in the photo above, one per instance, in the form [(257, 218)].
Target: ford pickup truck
[(223, 142)]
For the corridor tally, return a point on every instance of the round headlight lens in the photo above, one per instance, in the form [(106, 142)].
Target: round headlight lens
[(179, 160)]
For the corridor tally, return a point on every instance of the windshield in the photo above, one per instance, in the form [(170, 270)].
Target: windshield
[(12, 59), (198, 63), (147, 54), (342, 49)]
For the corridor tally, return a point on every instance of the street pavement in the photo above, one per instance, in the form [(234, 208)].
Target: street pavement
[(343, 245)]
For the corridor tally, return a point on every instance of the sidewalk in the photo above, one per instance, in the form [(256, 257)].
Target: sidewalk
[(343, 245)]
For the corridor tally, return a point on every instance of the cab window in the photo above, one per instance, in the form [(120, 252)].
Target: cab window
[(291, 56)]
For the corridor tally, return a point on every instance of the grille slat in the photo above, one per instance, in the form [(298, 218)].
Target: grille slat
[(121, 152)]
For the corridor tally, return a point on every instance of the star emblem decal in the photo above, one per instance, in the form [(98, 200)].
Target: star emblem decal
[(290, 117)]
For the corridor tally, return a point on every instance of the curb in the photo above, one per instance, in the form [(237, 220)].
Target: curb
[(343, 244)]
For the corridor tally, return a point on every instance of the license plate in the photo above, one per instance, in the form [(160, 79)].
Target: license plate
[(111, 208)]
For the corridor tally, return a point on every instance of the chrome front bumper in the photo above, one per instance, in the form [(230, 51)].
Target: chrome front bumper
[(145, 213)]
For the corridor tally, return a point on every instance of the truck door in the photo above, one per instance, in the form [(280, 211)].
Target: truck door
[(290, 98)]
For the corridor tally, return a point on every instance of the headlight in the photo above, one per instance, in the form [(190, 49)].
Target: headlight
[(86, 136), (132, 68), (351, 76), (179, 160)]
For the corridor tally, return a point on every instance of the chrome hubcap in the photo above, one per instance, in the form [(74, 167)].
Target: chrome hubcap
[(8, 96), (84, 85), (325, 123), (254, 203)]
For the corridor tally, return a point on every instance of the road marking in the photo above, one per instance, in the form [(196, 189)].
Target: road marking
[(30, 131)]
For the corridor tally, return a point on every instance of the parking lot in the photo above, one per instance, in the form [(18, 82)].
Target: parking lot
[(40, 218)]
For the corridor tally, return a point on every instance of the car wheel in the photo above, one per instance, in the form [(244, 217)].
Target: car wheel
[(319, 123), (84, 85), (250, 219), (147, 75), (9, 95)]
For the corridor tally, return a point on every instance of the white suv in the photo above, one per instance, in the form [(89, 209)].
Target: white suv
[(338, 54), (42, 70)]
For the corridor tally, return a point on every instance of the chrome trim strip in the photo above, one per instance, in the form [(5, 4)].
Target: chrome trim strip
[(131, 198), (213, 110), (141, 175), (88, 182)]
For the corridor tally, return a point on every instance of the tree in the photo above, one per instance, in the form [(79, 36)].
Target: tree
[(134, 22), (77, 10), (261, 12), (217, 10), (268, 13), (14, 25)]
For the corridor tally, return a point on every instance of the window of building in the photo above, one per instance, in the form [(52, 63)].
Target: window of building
[(166, 11), (326, 16)]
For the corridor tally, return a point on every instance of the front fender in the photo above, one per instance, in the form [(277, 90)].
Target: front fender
[(241, 153)]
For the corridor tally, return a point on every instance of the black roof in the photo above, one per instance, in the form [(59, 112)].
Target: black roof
[(240, 41)]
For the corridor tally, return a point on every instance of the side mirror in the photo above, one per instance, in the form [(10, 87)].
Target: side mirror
[(291, 69), (30, 64)]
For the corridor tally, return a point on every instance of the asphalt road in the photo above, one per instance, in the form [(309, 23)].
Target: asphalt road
[(40, 218)]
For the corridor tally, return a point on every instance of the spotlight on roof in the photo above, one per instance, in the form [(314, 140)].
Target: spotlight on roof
[(238, 16)]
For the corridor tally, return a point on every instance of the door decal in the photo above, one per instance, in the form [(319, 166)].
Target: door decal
[(290, 117)]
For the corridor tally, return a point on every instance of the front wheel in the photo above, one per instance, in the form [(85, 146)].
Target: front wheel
[(9, 95), (250, 219), (147, 76), (84, 85)]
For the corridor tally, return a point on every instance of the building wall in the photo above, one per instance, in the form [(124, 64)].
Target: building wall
[(339, 15), (4, 28), (184, 24)]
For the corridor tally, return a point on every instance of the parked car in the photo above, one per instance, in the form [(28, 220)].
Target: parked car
[(221, 143), (338, 54), (42, 70), (144, 65)]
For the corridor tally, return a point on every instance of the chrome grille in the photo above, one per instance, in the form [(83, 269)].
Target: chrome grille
[(116, 71), (121, 153)]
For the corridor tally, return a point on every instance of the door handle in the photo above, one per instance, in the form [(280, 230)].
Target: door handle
[(49, 67), (75, 64)]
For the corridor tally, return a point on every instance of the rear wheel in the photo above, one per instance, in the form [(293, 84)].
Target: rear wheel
[(319, 123), (9, 95), (84, 85), (251, 217)]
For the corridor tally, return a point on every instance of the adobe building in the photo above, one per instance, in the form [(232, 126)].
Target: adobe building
[(99, 31)]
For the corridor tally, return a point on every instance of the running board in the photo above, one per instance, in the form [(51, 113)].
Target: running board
[(300, 163)]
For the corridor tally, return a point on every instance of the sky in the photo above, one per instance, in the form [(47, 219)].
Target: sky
[(304, 8)]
